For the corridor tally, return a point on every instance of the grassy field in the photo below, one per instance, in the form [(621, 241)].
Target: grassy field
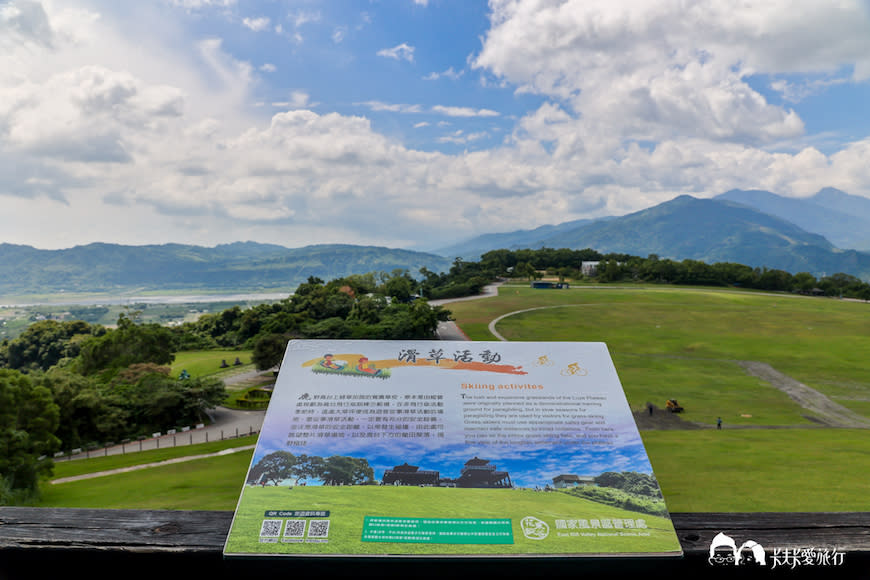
[(351, 504), (211, 483), (683, 343), (201, 363), (666, 342)]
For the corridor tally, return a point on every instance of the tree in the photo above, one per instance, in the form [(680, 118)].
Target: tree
[(28, 420), (128, 344), (269, 351), (44, 344), (341, 470), (274, 467)]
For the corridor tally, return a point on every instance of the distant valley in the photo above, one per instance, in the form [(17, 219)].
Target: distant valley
[(241, 266)]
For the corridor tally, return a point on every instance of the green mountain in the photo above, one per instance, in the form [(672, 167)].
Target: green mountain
[(841, 218), (712, 231), (101, 267)]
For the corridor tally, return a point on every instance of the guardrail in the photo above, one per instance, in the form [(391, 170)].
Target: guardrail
[(44, 542)]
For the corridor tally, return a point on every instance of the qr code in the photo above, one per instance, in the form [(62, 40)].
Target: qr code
[(318, 529), (294, 529), (270, 528)]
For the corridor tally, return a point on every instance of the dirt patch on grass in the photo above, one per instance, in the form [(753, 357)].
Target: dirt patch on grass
[(662, 419), (824, 410)]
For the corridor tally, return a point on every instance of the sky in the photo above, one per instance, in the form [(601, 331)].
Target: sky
[(413, 123)]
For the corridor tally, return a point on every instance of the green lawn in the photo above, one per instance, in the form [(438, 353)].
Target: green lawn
[(683, 343), (200, 363), (666, 342), (212, 483), (349, 506)]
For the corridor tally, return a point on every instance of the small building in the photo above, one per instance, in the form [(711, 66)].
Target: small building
[(481, 473), (588, 268), (570, 480), (410, 475)]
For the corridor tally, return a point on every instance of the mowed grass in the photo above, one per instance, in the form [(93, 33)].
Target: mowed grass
[(683, 343), (211, 483), (349, 505), (201, 363), (762, 470), (666, 342)]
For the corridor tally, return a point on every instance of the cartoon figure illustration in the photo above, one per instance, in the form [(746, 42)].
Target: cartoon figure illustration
[(751, 552), (328, 363), (364, 366), (723, 551)]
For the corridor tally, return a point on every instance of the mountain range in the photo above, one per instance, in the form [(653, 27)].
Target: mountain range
[(756, 228), (101, 267)]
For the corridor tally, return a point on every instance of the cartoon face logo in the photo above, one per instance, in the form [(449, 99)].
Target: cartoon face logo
[(751, 554), (723, 551), (534, 529)]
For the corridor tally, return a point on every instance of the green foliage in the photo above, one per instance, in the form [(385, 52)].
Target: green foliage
[(269, 351), (128, 344), (45, 344), (28, 420), (621, 499), (335, 470)]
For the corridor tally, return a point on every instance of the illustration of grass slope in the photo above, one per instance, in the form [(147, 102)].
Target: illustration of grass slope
[(349, 505)]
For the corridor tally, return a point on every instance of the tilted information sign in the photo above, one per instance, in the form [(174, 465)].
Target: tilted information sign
[(437, 448)]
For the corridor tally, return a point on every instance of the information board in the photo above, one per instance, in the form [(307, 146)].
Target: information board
[(438, 448)]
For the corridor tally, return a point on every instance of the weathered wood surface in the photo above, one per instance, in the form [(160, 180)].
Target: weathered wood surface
[(151, 541)]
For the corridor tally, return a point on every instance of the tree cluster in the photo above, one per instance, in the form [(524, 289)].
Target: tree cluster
[(335, 470)]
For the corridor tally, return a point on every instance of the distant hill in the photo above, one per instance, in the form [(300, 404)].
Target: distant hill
[(711, 230), (472, 249), (842, 218), (101, 267)]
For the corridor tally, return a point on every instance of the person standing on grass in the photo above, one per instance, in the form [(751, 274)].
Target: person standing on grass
[(719, 423)]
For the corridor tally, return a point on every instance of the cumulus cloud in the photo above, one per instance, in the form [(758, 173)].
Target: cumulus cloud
[(399, 52), (449, 73), (641, 101), (665, 69), (256, 24)]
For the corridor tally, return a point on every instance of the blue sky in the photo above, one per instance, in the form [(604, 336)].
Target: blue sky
[(413, 123)]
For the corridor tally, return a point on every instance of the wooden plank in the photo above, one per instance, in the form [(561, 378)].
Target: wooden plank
[(159, 543)]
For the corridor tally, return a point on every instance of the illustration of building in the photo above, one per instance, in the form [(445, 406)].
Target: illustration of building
[(477, 472), (410, 475), (481, 473), (567, 480)]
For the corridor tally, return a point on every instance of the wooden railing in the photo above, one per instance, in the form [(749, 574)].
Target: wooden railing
[(60, 542)]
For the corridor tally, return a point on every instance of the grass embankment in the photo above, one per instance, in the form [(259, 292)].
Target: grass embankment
[(210, 483)]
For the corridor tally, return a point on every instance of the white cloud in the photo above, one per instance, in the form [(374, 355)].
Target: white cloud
[(449, 73), (302, 17), (399, 52), (268, 67), (298, 100), (338, 34), (463, 111), (656, 70), (256, 24), (103, 120), (391, 107)]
